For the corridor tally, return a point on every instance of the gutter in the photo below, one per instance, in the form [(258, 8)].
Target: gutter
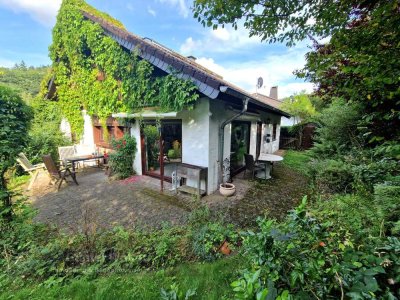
[(226, 90)]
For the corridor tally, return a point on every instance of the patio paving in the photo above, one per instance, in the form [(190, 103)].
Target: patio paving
[(133, 202), (137, 201)]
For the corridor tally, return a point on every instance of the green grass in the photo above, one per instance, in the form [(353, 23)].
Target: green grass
[(211, 281), (17, 181), (296, 160)]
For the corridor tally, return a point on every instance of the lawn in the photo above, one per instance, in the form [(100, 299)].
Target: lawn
[(297, 160), (210, 281)]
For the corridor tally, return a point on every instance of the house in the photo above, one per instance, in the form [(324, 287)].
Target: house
[(273, 100), (225, 123)]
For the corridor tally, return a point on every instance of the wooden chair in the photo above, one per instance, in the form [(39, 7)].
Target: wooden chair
[(33, 170), (66, 152), (57, 175), (252, 166)]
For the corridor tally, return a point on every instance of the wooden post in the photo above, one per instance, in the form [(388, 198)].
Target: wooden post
[(161, 161)]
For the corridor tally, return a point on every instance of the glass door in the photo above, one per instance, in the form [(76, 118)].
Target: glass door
[(171, 134), (240, 145)]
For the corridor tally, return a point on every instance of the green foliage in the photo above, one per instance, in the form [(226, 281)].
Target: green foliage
[(297, 160), (121, 159), (44, 136), (276, 20), (299, 106), (15, 116), (94, 72), (316, 257), (208, 238), (26, 81), (360, 65), (152, 137), (210, 280), (336, 131), (175, 294)]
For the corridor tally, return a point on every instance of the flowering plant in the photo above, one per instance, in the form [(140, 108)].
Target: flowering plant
[(121, 159)]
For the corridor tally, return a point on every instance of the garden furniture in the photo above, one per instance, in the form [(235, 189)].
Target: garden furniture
[(33, 170), (268, 160), (252, 166), (58, 174)]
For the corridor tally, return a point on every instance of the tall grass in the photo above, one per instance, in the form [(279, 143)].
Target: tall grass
[(210, 280)]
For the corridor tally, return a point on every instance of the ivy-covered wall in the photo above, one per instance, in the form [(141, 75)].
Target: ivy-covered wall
[(93, 72)]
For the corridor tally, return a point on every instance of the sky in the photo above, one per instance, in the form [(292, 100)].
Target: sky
[(26, 25)]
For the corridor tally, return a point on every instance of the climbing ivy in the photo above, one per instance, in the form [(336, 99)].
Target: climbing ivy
[(93, 72)]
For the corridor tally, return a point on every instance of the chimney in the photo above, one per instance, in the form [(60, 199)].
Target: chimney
[(191, 57), (273, 93)]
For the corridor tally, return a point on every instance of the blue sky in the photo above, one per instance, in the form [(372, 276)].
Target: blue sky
[(25, 31)]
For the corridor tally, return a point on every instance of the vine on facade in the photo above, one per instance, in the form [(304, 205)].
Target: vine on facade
[(93, 72)]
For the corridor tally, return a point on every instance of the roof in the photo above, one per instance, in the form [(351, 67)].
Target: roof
[(268, 100), (208, 82)]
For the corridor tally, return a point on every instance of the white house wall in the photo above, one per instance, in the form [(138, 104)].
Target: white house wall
[(137, 163), (86, 144), (271, 119), (195, 138)]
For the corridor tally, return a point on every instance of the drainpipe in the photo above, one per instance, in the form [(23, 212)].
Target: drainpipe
[(226, 122)]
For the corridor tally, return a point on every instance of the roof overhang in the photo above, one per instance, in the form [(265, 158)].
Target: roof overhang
[(238, 94), (146, 115)]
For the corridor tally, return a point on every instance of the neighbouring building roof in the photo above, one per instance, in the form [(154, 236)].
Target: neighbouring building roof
[(208, 82), (268, 100)]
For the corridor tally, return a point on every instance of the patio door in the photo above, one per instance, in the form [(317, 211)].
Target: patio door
[(240, 144), (170, 150)]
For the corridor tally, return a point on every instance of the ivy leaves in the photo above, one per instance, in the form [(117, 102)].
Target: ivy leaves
[(81, 52)]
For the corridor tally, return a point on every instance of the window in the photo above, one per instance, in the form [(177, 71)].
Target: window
[(274, 132), (113, 132)]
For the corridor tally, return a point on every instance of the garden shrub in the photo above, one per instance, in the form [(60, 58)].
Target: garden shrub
[(15, 117), (331, 176), (208, 238), (306, 258), (123, 155), (45, 135)]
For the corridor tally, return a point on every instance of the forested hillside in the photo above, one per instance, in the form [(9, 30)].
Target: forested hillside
[(25, 80)]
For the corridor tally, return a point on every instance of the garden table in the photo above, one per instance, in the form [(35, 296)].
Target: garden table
[(267, 159), (74, 159)]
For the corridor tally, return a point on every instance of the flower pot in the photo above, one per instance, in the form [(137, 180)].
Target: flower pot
[(227, 189), (224, 248)]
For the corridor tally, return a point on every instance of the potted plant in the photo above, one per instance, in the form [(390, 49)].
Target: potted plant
[(226, 189)]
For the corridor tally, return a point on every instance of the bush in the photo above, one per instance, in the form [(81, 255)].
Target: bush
[(331, 176), (208, 238), (121, 159), (306, 258)]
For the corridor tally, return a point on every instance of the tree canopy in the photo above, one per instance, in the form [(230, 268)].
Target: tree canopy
[(284, 21), (299, 106)]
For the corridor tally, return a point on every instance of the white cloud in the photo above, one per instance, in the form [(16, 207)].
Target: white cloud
[(42, 11), (151, 11), (221, 40), (274, 69), (181, 4)]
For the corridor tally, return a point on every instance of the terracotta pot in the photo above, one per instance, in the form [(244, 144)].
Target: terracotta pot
[(227, 189), (224, 248)]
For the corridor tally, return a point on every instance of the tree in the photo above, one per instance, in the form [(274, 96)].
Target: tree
[(15, 116), (299, 106), (284, 21), (360, 63)]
